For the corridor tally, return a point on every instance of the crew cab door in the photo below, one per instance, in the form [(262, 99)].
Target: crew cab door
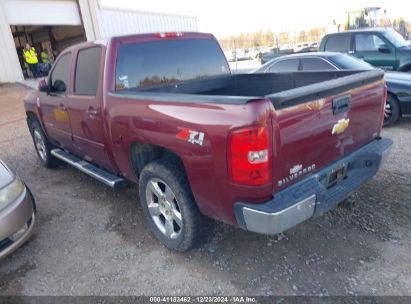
[(54, 103), (85, 107), (373, 49)]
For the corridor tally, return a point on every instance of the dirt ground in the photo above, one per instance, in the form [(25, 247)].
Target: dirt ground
[(91, 240)]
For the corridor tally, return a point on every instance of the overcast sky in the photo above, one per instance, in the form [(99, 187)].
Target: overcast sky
[(226, 17)]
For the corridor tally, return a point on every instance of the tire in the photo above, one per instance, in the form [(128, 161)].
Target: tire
[(42, 145), (392, 110), (169, 206)]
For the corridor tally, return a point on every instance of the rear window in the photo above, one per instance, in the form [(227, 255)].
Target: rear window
[(168, 61), (338, 43)]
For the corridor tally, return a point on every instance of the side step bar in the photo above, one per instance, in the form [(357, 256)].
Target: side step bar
[(99, 174)]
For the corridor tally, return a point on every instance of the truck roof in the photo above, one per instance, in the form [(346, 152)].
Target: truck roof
[(141, 37), (370, 29)]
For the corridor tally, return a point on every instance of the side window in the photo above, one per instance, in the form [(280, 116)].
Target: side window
[(315, 64), (338, 43), (59, 78), (87, 71), (289, 65), (367, 42)]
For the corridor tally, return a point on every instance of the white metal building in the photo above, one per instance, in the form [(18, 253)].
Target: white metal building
[(66, 22)]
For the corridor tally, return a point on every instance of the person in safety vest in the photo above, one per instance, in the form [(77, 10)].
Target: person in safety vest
[(45, 57), (30, 55)]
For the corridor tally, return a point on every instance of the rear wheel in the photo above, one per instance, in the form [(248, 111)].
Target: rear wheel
[(169, 206), (392, 110), (42, 145)]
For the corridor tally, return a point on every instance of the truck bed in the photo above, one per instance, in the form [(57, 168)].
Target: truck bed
[(302, 125), (283, 89)]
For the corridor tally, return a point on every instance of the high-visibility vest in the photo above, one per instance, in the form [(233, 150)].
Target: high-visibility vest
[(30, 56), (44, 57)]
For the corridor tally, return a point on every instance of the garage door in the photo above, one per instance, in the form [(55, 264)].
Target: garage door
[(42, 12)]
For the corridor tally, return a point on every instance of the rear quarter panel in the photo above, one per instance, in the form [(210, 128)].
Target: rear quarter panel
[(130, 120), (158, 123)]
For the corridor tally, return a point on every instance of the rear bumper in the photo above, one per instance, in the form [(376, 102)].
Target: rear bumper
[(16, 223), (310, 197)]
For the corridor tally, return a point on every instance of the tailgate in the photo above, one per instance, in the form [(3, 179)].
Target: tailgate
[(318, 124)]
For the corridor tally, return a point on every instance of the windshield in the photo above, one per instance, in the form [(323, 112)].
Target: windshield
[(395, 38), (168, 61), (346, 62)]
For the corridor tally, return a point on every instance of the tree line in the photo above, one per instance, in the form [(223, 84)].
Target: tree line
[(270, 38)]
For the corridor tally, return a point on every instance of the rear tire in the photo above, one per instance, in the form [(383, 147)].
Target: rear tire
[(169, 206), (391, 111), (42, 145)]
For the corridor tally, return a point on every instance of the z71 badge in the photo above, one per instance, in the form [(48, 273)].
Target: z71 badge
[(191, 136)]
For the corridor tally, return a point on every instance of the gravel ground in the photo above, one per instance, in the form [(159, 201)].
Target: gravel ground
[(91, 240)]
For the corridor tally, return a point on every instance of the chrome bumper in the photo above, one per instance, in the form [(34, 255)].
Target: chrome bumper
[(310, 197), (276, 222), (16, 223)]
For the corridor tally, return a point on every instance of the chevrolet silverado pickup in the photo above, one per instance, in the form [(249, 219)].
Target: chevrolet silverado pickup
[(264, 152)]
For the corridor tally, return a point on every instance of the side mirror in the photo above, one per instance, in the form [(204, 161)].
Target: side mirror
[(59, 86), (43, 86), (384, 49)]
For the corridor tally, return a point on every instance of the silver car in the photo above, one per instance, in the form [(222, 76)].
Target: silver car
[(17, 211)]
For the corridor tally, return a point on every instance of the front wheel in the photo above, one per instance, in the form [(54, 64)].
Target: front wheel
[(392, 110), (169, 206), (42, 145)]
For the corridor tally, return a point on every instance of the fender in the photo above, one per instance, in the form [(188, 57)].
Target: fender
[(32, 105)]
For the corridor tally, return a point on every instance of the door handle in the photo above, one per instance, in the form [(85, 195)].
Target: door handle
[(341, 104), (92, 112)]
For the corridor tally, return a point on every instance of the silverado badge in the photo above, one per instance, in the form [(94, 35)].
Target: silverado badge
[(340, 126), (296, 172)]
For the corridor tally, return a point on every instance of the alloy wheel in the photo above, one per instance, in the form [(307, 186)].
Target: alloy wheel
[(387, 111), (163, 208), (40, 145)]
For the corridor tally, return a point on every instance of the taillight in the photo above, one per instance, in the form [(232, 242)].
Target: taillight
[(168, 35), (250, 156)]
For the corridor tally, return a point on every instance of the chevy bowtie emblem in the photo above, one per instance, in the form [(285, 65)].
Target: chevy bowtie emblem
[(340, 126)]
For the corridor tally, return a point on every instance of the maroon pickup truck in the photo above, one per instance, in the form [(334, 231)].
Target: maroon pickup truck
[(261, 151)]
